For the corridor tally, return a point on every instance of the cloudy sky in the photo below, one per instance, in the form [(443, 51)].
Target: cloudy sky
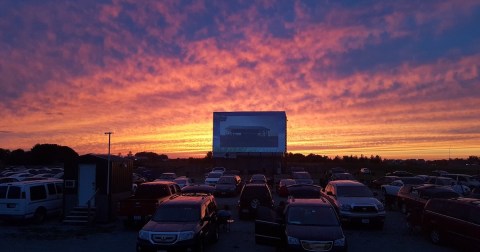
[(395, 78)]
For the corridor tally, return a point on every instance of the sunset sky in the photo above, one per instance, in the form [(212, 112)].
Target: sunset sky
[(399, 79)]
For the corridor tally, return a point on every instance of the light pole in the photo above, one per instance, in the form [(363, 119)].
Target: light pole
[(108, 163)]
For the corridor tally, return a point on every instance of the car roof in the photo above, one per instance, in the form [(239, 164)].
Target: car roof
[(345, 183), (165, 182), (186, 200), (309, 202)]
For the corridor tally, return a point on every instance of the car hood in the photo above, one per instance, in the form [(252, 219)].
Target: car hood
[(154, 226), (358, 201), (314, 233)]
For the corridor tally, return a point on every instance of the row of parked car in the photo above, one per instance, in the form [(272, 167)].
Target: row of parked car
[(16, 174)]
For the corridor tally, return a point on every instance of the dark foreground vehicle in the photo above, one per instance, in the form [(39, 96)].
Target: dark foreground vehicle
[(137, 208), (306, 225), (252, 197), (454, 220), (181, 223)]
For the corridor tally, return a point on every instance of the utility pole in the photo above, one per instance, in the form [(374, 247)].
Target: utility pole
[(108, 164)]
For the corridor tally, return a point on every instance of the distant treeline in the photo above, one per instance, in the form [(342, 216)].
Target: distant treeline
[(48, 154)]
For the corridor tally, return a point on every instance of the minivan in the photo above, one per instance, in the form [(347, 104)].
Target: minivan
[(31, 199)]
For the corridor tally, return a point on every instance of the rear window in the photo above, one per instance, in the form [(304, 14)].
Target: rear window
[(3, 192), (149, 191), (14, 192), (260, 192)]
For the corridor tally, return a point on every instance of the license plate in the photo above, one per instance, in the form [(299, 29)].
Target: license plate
[(137, 217), (244, 210), (223, 193), (366, 221)]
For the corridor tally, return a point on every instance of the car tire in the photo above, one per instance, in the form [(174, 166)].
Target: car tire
[(435, 236), (199, 247), (216, 235), (403, 208), (39, 215)]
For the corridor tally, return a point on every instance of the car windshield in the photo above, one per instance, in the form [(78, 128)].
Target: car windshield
[(353, 191), (172, 213), (226, 180), (412, 181), (214, 175), (311, 216)]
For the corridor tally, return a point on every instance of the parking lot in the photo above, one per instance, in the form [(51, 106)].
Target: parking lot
[(54, 236)]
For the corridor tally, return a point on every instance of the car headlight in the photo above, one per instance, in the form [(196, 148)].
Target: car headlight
[(187, 235), (345, 207), (380, 207), (339, 242), (144, 235), (292, 240)]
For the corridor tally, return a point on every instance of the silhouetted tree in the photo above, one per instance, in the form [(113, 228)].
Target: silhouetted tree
[(44, 154), (18, 157)]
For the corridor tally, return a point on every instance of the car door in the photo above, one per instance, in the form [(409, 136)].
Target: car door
[(268, 229)]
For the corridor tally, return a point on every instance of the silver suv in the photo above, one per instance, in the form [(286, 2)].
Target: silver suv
[(355, 202)]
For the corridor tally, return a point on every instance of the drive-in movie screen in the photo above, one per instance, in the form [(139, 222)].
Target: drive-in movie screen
[(248, 132)]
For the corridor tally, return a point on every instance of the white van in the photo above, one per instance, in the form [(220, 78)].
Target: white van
[(31, 199)]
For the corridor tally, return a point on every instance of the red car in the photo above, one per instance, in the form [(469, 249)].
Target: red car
[(282, 187)]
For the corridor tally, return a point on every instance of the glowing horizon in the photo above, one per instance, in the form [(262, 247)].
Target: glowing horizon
[(394, 79)]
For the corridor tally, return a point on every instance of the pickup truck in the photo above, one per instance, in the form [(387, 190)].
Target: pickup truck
[(137, 208)]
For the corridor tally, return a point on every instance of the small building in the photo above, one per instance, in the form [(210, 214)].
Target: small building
[(87, 184)]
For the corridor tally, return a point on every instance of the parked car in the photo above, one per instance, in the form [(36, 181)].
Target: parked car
[(400, 174), (138, 208), (464, 179), (305, 225), (228, 185), (453, 220), (252, 197), (302, 177), (449, 182), (183, 181), (31, 200), (181, 223), (412, 198), (377, 183), (219, 169), (390, 191), (7, 180), (365, 171), (341, 176), (304, 191), (167, 176), (439, 173), (355, 202), (198, 190), (21, 176), (282, 187), (258, 178), (212, 178)]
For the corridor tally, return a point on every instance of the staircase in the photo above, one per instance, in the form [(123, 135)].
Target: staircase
[(80, 216)]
